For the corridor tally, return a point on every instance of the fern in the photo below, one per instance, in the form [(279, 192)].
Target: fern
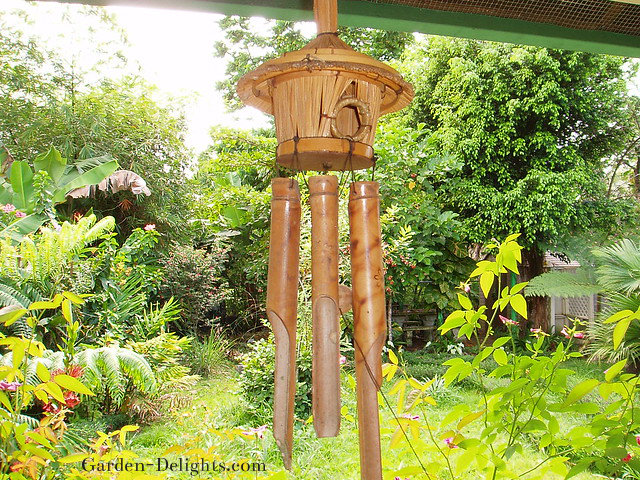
[(49, 254), (562, 284), (23, 296), (110, 369)]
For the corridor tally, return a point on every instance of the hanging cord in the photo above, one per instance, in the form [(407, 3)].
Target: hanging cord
[(386, 401), (295, 164), (373, 170)]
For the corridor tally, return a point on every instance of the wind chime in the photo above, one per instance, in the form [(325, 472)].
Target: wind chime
[(326, 99)]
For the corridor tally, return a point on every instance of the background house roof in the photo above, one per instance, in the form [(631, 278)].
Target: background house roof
[(598, 26)]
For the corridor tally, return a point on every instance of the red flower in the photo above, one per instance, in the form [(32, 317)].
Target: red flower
[(71, 399), (627, 459), (75, 371), (51, 408)]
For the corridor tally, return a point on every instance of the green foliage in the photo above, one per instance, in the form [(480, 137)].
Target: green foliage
[(233, 180), (531, 127), (423, 254), (29, 447), (194, 278), (210, 355), (619, 269), (523, 399), (242, 40), (163, 352), (48, 100), (46, 260), (562, 284), (113, 372), (256, 380)]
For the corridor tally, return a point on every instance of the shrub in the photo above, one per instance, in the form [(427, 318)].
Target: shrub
[(256, 379), (193, 277)]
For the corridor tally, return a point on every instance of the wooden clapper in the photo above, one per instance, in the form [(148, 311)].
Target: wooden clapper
[(326, 99)]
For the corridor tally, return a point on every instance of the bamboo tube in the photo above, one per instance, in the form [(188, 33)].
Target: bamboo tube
[(367, 279), (326, 15), (323, 197), (282, 304)]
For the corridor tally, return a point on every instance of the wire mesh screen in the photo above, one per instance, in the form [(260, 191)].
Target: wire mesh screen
[(603, 15)]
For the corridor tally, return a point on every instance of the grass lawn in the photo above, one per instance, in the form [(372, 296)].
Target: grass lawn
[(213, 422)]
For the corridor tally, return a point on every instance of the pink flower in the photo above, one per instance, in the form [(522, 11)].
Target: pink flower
[(398, 478), (627, 459), (578, 335), (9, 386), (258, 432), (565, 332), (410, 417), (449, 442), (149, 226), (8, 208), (20, 214), (508, 321), (343, 360), (638, 439)]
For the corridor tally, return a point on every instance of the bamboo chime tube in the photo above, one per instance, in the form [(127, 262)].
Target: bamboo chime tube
[(367, 280), (323, 197), (282, 305)]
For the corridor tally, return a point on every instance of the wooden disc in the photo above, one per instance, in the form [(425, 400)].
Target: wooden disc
[(324, 154)]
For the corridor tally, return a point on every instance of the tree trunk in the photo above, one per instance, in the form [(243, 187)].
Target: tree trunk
[(532, 266)]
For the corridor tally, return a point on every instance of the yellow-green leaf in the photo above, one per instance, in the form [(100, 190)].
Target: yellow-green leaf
[(618, 316), (465, 302), (73, 297), (73, 384), (54, 390), (11, 314), (620, 331), (467, 419), (43, 305), (393, 358), (614, 370), (519, 304), (500, 356), (42, 372), (486, 282), (67, 311), (18, 354), (76, 457), (581, 390)]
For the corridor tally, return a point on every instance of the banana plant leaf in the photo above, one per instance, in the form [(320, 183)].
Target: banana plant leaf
[(24, 226)]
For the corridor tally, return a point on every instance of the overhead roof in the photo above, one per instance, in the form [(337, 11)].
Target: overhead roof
[(598, 26)]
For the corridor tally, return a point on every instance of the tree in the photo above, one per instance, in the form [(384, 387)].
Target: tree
[(241, 45), (46, 100), (532, 128)]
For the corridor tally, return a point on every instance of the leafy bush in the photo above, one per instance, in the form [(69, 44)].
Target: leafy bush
[(193, 277), (256, 379)]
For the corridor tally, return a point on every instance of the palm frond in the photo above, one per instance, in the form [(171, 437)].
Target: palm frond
[(619, 269)]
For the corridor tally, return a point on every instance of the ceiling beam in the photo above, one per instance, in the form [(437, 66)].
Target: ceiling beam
[(360, 13)]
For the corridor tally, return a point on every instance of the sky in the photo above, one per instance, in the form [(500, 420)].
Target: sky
[(174, 50)]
